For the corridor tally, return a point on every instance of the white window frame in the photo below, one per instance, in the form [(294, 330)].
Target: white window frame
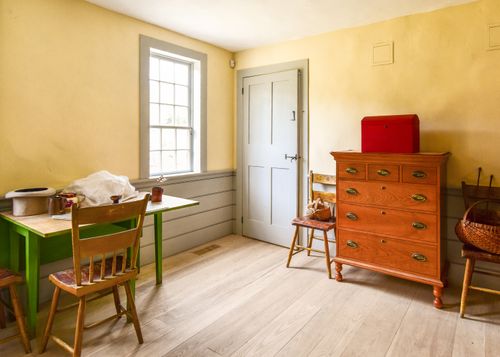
[(198, 85)]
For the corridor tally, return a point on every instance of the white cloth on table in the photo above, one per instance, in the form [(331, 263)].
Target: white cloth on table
[(99, 186)]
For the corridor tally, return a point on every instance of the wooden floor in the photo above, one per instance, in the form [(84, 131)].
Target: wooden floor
[(239, 300)]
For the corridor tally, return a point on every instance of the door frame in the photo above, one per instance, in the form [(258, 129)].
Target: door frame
[(302, 130)]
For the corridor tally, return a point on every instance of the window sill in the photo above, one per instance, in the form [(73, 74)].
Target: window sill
[(179, 178)]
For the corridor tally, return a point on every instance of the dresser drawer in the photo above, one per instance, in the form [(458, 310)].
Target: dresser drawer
[(383, 172), (389, 194), (387, 252), (420, 227), (419, 174), (352, 171)]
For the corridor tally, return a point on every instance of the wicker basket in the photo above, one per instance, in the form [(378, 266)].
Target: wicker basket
[(483, 232), (319, 210)]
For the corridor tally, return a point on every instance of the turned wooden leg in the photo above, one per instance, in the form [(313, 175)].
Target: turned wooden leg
[(292, 246), (338, 269), (438, 292), (18, 312), (50, 319), (310, 241), (327, 255), (469, 269)]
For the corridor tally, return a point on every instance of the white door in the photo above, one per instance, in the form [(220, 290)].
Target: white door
[(270, 137)]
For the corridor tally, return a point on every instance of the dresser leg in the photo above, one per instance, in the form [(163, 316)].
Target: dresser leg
[(338, 269), (438, 292)]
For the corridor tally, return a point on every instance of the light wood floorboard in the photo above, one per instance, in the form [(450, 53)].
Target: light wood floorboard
[(239, 299)]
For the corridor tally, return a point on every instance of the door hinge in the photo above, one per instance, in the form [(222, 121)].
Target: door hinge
[(241, 219), (242, 91)]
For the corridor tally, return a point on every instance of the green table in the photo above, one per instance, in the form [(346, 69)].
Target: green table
[(52, 238)]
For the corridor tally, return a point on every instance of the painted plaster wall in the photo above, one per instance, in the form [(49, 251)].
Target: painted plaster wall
[(69, 93), (442, 71)]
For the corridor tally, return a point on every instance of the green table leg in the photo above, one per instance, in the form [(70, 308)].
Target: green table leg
[(32, 279), (14, 249), (158, 245)]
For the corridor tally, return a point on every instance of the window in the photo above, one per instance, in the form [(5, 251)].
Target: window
[(173, 109)]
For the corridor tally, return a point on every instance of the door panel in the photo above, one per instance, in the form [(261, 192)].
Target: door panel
[(270, 182)]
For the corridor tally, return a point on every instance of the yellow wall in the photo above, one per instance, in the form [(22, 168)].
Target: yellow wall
[(69, 93), (442, 72)]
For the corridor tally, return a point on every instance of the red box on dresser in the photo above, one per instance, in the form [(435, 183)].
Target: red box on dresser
[(390, 133)]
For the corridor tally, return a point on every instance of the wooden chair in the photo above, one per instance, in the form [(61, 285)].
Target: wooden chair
[(9, 279), (113, 268), (472, 254), (314, 225), (472, 194)]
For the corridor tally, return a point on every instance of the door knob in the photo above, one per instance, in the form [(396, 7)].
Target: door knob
[(294, 157)]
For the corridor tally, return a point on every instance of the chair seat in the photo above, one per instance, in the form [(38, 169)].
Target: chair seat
[(8, 277), (469, 251), (307, 222), (66, 279)]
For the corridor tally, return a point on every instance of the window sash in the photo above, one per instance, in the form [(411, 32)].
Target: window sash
[(163, 159)]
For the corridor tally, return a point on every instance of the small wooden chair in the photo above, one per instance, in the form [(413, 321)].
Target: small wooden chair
[(472, 254), (113, 268), (314, 225), (9, 279)]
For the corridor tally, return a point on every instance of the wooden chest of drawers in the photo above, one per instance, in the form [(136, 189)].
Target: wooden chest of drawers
[(390, 214)]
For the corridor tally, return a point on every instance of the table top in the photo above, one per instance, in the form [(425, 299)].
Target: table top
[(44, 225)]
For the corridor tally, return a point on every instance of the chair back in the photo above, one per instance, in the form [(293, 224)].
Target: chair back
[(110, 244), (326, 196)]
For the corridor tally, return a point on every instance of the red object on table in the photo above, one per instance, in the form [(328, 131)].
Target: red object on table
[(390, 133)]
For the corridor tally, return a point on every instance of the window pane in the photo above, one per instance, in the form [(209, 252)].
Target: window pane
[(168, 139), (154, 162), (166, 115), (183, 160), (154, 93), (154, 139), (183, 139), (168, 161), (166, 93), (153, 68), (166, 71), (181, 95), (181, 116), (182, 73), (154, 114)]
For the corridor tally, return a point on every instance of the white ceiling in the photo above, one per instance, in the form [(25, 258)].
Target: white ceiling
[(241, 24)]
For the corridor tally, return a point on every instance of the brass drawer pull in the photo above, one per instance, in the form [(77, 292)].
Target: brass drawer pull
[(418, 197), (419, 225), (351, 191), (419, 174), (351, 170), (419, 257), (352, 216), (352, 244), (383, 172)]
